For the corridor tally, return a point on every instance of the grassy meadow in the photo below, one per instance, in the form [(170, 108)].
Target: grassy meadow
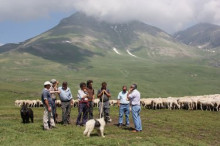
[(23, 74), (160, 127)]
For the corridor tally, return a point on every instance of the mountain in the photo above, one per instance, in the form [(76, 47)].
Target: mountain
[(82, 47), (88, 36), (203, 35)]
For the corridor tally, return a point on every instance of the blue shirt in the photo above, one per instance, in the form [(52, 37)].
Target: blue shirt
[(123, 97), (65, 95), (135, 97), (46, 96)]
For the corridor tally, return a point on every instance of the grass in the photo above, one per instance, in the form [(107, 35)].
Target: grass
[(160, 127), (23, 74), (156, 77)]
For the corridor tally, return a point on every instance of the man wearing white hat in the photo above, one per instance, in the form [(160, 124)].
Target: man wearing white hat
[(48, 121)]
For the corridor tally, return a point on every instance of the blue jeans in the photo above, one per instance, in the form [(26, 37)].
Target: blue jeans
[(54, 109), (82, 109), (136, 117), (124, 108)]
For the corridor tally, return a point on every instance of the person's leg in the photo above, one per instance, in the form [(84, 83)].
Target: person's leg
[(79, 114), (127, 112), (136, 117), (63, 106), (50, 116), (107, 110), (45, 119), (121, 113), (139, 120), (85, 114), (68, 112), (53, 109), (90, 109)]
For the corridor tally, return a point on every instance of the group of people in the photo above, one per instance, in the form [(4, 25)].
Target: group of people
[(86, 96)]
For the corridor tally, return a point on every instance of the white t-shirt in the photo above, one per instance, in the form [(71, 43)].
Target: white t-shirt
[(81, 94)]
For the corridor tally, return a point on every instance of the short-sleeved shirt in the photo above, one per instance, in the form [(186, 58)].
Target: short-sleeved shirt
[(91, 93), (46, 96), (65, 95), (135, 97), (105, 96), (122, 96)]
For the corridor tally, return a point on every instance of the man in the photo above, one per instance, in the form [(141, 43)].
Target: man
[(66, 102), (83, 105), (91, 97), (48, 121), (53, 91), (123, 105), (104, 94), (134, 97)]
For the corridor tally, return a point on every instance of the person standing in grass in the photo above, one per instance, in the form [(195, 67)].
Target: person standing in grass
[(48, 121), (53, 91), (123, 105), (66, 102), (105, 94), (91, 97), (83, 105), (134, 97)]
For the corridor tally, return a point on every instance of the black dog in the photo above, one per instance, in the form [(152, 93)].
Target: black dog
[(26, 113)]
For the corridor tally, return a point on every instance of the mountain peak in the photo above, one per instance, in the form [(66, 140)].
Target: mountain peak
[(202, 35)]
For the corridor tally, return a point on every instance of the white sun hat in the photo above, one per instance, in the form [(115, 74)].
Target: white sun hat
[(47, 83)]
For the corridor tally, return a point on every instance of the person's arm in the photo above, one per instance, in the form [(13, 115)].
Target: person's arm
[(56, 85), (58, 91), (99, 94), (47, 104), (55, 91), (93, 96), (118, 101), (129, 97), (107, 93)]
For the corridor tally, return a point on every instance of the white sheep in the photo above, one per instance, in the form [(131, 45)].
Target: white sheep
[(157, 103)]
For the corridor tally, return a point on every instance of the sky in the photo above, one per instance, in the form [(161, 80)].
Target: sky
[(24, 19)]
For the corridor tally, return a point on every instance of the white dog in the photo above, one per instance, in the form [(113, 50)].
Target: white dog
[(99, 124)]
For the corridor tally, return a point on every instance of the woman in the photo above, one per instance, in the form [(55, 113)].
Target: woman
[(83, 105)]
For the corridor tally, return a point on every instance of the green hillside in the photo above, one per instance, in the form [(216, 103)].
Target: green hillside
[(23, 74), (81, 48)]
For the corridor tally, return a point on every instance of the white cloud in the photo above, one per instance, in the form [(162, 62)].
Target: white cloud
[(170, 15)]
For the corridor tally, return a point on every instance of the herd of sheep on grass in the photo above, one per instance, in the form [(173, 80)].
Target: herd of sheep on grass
[(204, 102)]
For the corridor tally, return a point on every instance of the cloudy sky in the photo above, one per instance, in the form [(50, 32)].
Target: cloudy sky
[(23, 19)]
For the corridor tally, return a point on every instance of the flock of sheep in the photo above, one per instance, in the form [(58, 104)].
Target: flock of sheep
[(205, 102)]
